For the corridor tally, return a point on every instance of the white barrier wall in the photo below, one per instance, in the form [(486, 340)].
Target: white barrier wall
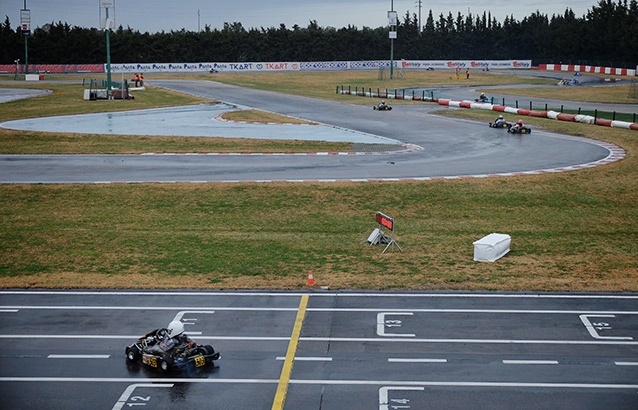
[(318, 66), (589, 69)]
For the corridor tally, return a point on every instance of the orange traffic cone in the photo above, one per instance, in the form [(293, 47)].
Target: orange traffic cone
[(311, 279)]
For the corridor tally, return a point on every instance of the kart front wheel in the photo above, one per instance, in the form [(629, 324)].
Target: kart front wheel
[(132, 355)]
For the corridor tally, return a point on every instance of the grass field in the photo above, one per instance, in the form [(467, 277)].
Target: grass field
[(575, 231)]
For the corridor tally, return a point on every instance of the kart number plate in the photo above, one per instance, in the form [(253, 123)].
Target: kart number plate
[(150, 361), (200, 361)]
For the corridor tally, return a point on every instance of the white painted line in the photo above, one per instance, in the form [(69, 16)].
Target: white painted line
[(308, 359), (135, 337), (348, 340), (8, 310), (134, 380), (211, 310), (78, 356), (626, 363), (373, 310), (593, 328), (129, 391), (401, 360), (296, 294), (482, 311), (320, 382), (530, 361), (384, 402), (383, 322), (465, 384), (473, 341)]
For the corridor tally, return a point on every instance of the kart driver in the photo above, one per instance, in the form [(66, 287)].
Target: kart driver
[(382, 105), (175, 339), (519, 124), (500, 120), (483, 98)]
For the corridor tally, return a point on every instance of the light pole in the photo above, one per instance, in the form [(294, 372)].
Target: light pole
[(107, 24), (392, 22), (419, 3), (25, 22)]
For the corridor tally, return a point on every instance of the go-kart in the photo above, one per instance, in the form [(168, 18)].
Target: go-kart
[(381, 107), (147, 349), (482, 99), (501, 124), (520, 130)]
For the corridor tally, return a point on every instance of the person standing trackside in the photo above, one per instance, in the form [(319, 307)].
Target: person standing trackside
[(136, 78), (467, 73), (141, 79), (458, 71)]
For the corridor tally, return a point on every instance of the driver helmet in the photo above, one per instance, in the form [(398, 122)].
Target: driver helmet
[(500, 117), (482, 94), (382, 101), (175, 328), (520, 122)]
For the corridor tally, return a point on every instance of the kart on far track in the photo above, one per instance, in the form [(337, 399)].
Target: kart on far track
[(520, 130), (381, 107), (147, 350), (501, 124)]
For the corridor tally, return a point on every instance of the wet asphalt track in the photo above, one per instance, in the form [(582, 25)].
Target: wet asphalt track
[(65, 350), (435, 147), (445, 351)]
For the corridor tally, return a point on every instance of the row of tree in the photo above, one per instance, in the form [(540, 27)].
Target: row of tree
[(606, 35)]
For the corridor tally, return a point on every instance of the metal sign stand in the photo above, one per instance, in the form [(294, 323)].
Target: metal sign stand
[(387, 222)]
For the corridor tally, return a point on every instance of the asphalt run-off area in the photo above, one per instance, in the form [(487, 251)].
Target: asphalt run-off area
[(324, 350)]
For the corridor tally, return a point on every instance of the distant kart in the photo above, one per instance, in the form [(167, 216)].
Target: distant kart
[(520, 130), (382, 108), (166, 361), (502, 124)]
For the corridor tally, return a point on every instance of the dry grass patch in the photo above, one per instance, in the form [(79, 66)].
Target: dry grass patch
[(263, 117)]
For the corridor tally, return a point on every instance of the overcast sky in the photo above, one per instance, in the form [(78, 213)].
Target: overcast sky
[(166, 15)]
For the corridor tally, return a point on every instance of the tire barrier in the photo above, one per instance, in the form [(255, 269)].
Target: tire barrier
[(554, 115)]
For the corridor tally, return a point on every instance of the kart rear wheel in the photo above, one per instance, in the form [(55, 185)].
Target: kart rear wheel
[(165, 364), (207, 349)]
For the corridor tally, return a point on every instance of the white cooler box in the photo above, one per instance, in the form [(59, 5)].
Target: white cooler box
[(491, 247)]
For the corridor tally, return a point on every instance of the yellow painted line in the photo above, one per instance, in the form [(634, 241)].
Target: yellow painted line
[(286, 370)]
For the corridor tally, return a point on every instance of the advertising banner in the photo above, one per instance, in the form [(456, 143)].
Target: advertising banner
[(53, 68), (317, 66)]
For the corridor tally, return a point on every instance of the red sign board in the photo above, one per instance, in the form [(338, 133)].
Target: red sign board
[(385, 221)]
